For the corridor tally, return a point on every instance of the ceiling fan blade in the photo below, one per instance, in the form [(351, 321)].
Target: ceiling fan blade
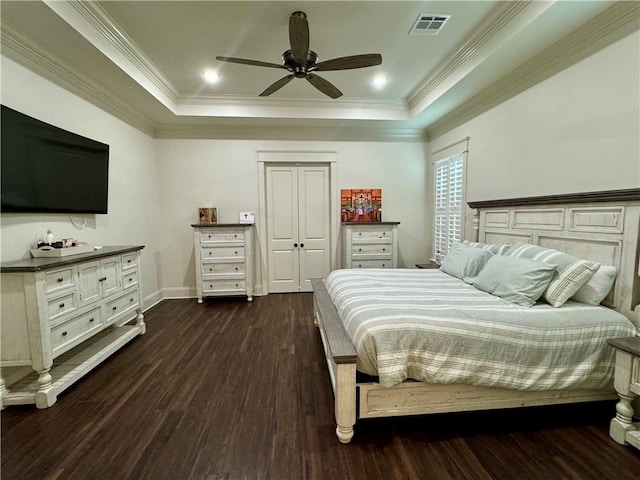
[(244, 61), (274, 87), (323, 85), (353, 61), (299, 36)]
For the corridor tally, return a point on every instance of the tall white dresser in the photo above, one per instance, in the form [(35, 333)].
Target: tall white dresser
[(224, 259), (61, 317), (370, 244)]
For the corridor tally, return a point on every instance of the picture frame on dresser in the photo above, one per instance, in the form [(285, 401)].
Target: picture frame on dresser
[(208, 215)]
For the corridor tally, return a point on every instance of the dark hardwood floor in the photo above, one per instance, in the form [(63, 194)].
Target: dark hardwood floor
[(237, 390)]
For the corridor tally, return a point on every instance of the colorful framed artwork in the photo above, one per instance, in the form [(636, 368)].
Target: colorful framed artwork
[(361, 205)]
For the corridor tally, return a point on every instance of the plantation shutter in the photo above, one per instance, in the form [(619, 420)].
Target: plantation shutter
[(449, 199)]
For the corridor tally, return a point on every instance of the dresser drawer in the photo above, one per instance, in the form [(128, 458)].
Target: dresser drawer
[(222, 269), (121, 307), (222, 253), (130, 279), (214, 235), (374, 233), (68, 334), (371, 263), (60, 279), (129, 261), (62, 305), (378, 249), (223, 286)]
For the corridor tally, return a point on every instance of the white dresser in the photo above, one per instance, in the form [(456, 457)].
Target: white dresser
[(61, 317), (370, 245), (224, 260)]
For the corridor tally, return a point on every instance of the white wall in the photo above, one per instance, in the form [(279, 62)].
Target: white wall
[(578, 131), (224, 174), (133, 197)]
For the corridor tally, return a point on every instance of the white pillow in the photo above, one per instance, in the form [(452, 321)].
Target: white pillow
[(465, 262), (572, 272), (493, 248), (596, 290), (518, 280)]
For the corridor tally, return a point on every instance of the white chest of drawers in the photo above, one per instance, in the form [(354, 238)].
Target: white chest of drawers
[(224, 260), (370, 245), (61, 317)]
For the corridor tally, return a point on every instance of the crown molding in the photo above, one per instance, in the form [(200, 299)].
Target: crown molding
[(340, 109), (268, 132), (94, 23), (492, 25), (618, 21), (32, 55)]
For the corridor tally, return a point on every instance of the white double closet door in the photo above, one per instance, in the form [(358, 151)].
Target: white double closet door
[(298, 225)]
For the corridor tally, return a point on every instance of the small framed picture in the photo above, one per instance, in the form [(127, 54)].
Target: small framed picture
[(208, 215)]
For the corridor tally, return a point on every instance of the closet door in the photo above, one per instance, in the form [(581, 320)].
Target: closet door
[(298, 225), (314, 222)]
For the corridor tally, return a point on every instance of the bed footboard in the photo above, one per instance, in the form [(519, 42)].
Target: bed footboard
[(341, 360)]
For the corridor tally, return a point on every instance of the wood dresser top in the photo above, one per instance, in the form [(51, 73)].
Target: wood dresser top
[(37, 264)]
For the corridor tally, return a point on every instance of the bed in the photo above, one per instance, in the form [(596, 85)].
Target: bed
[(479, 372)]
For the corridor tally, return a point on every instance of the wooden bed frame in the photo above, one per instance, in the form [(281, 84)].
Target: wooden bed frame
[(600, 226)]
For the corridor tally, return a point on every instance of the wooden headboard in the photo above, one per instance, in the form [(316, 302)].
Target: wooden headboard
[(599, 226)]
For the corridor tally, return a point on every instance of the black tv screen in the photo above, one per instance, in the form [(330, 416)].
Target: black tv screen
[(46, 169)]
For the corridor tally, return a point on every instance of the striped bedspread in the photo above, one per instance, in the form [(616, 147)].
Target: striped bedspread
[(430, 326)]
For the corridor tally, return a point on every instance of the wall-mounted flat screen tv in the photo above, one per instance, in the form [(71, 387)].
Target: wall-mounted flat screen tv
[(45, 169)]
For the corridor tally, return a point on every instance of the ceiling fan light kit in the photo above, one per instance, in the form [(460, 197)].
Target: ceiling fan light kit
[(301, 62)]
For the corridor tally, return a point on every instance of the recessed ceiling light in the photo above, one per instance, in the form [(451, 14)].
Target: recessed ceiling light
[(379, 81), (210, 76)]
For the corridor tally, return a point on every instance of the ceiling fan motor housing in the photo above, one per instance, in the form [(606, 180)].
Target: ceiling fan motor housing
[(299, 71)]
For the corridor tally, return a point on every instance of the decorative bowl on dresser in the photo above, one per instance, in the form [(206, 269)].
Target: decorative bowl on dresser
[(224, 259), (370, 244), (61, 317)]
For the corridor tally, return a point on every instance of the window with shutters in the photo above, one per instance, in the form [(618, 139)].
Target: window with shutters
[(449, 204)]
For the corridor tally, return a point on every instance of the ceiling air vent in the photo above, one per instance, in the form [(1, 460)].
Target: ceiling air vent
[(427, 24)]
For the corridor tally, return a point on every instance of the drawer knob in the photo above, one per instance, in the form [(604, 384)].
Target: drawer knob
[(384, 233), (62, 305), (102, 279), (360, 233), (302, 245), (114, 308), (64, 334), (60, 280), (131, 279), (128, 261), (235, 253), (235, 235), (236, 269), (91, 320), (131, 299), (384, 249), (359, 249), (359, 265)]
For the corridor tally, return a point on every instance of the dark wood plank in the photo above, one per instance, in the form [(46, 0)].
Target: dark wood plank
[(629, 194), (231, 389)]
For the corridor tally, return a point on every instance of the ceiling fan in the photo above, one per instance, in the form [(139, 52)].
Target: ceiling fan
[(301, 62)]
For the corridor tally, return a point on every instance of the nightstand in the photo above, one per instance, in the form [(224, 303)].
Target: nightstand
[(429, 265), (627, 385)]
